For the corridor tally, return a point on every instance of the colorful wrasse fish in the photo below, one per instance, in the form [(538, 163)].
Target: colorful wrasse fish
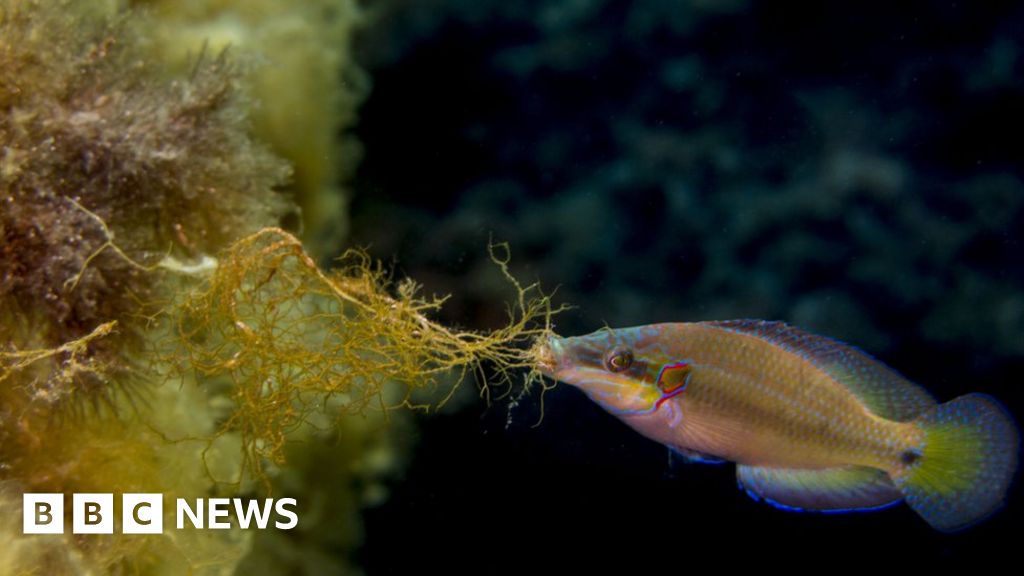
[(812, 424)]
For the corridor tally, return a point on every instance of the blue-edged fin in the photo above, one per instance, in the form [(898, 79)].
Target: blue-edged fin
[(963, 469), (694, 457), (827, 489), (882, 390)]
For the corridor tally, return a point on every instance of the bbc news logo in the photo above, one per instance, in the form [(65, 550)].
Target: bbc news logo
[(144, 513)]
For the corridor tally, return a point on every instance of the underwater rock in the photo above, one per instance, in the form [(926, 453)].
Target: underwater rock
[(305, 87), (123, 185)]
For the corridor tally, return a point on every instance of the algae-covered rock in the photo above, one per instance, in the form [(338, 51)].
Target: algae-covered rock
[(158, 331), (110, 170), (116, 178), (304, 82)]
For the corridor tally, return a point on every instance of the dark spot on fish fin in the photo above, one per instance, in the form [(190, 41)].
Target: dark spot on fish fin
[(967, 464), (910, 457)]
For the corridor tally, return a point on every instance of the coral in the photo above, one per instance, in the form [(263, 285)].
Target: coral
[(303, 78)]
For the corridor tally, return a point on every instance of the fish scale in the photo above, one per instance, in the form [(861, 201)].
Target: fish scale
[(788, 397)]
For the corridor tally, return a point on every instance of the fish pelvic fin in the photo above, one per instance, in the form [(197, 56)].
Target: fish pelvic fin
[(965, 465), (693, 456), (839, 489)]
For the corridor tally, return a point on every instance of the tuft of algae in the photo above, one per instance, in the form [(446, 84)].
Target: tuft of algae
[(281, 332), (160, 333), (107, 172), (302, 79), (334, 359)]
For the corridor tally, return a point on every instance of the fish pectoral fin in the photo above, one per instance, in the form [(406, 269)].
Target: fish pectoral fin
[(827, 489)]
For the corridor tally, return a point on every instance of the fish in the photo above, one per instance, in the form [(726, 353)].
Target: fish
[(811, 423)]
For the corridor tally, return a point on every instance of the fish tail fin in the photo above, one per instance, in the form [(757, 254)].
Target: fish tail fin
[(962, 470)]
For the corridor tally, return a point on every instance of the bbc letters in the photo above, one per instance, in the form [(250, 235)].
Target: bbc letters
[(143, 513)]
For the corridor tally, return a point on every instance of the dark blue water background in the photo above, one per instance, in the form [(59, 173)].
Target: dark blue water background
[(853, 168)]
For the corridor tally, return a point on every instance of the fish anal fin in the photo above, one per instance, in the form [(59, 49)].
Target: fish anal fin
[(838, 489), (882, 390)]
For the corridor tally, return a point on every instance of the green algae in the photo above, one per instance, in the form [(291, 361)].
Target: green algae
[(159, 333)]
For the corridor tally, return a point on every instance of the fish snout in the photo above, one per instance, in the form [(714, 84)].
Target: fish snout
[(550, 355)]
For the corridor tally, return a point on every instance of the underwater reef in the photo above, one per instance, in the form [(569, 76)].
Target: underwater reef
[(180, 312), (304, 82), (159, 330), (110, 171)]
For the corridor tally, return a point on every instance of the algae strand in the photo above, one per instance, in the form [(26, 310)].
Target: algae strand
[(291, 340)]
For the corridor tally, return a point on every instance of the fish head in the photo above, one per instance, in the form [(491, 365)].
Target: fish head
[(619, 369)]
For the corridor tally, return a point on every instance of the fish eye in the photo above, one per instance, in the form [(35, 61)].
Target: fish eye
[(618, 359)]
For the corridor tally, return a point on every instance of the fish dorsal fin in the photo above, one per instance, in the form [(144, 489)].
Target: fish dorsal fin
[(880, 388), (827, 489)]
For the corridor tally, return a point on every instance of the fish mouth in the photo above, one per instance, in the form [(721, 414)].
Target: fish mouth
[(547, 354)]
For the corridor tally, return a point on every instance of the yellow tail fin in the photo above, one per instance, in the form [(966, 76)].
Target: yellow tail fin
[(966, 463)]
